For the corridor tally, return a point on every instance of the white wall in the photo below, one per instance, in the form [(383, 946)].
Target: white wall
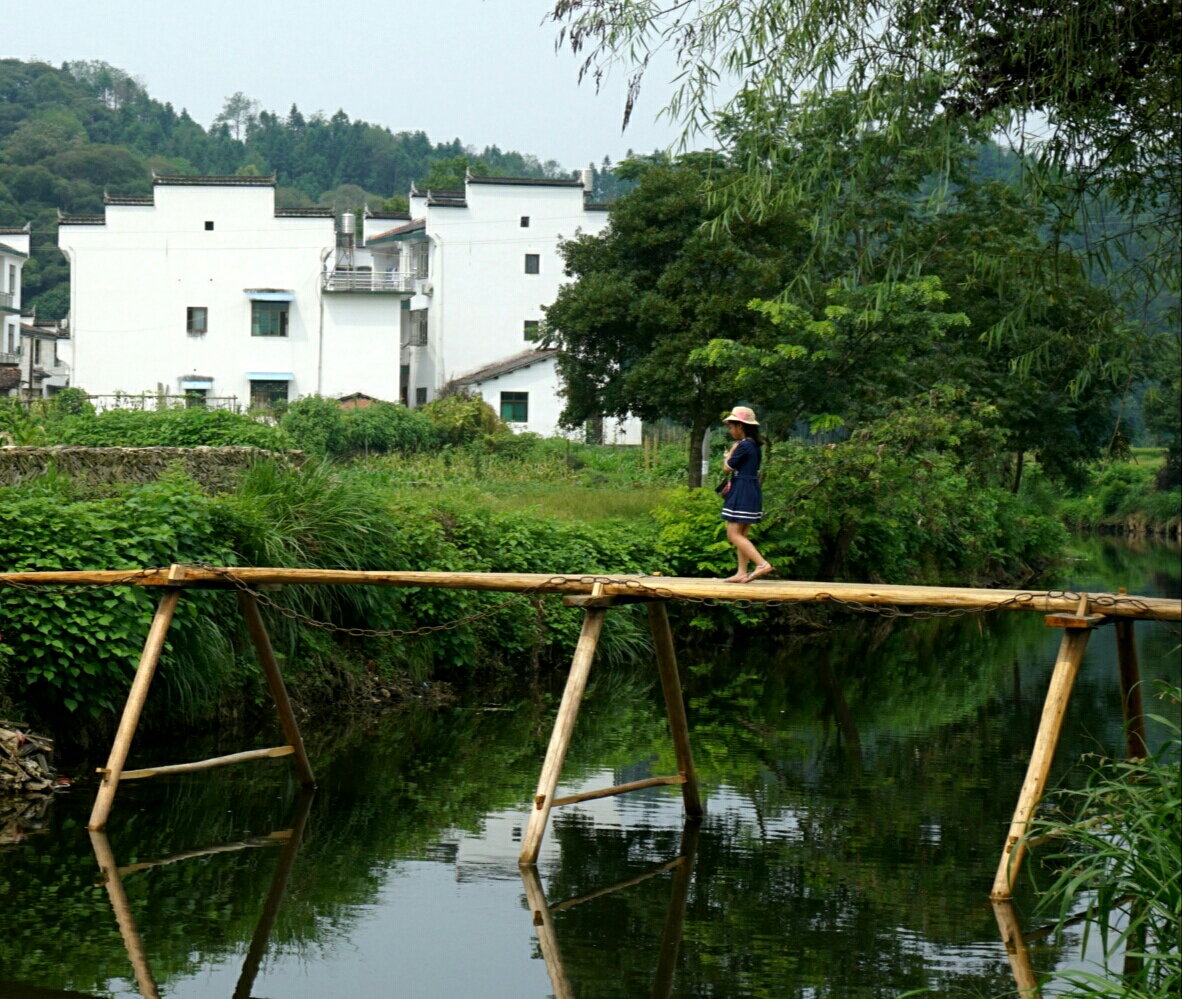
[(481, 295), (133, 278), (10, 321), (361, 345), (542, 383)]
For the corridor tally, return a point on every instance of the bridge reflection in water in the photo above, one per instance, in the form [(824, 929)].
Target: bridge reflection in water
[(112, 873)]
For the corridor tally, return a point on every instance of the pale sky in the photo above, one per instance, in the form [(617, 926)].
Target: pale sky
[(484, 71)]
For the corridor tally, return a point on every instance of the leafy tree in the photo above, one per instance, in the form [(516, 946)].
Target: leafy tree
[(653, 288), (1097, 82), (449, 174)]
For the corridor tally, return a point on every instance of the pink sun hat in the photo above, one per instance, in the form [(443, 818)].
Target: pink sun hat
[(741, 414)]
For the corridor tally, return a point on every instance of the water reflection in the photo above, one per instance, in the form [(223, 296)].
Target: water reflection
[(112, 874), (858, 787), (682, 867)]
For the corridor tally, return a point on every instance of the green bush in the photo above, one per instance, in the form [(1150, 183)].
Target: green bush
[(320, 426), (461, 419), (181, 427), (77, 646)]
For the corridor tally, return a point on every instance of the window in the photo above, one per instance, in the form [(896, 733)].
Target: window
[(195, 398), (268, 318), (419, 261), (404, 384), (209, 227), (533, 263), (36, 351), (196, 320), (264, 394), (416, 328), (11, 339), (531, 329), (421, 395), (524, 221), (12, 278), (515, 407)]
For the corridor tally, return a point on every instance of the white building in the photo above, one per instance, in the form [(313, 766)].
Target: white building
[(14, 251), (29, 363), (206, 287)]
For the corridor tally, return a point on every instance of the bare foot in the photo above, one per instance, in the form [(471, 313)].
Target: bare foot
[(759, 570), (738, 577)]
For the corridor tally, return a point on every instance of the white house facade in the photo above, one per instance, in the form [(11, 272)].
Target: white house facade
[(206, 288), (14, 251)]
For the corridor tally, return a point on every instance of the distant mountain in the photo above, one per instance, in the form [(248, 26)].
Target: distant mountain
[(68, 133)]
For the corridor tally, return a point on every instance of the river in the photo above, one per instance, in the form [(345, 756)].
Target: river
[(858, 784)]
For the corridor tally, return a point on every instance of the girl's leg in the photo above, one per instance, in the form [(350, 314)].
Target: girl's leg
[(744, 544), (734, 534)]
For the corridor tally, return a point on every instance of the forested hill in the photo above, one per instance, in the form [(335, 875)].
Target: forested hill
[(67, 133)]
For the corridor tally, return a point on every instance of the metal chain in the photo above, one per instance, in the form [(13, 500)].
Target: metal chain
[(631, 585)]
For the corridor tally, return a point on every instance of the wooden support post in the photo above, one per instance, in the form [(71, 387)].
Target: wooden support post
[(132, 940), (675, 916), (544, 924), (266, 923), (135, 703), (1071, 650), (1130, 688), (1016, 949), (564, 723), (658, 619), (287, 718)]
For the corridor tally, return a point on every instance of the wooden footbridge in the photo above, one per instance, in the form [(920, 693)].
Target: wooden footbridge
[(1077, 614)]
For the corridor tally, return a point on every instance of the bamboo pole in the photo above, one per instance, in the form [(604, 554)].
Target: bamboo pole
[(266, 923), (662, 587), (564, 724), (133, 708), (1130, 689), (675, 916), (216, 761), (287, 718), (607, 792), (132, 940), (271, 839), (1016, 949), (658, 619), (636, 879), (1071, 650), (544, 925)]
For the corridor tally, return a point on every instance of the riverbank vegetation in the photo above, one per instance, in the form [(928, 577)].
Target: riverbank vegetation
[(1116, 864)]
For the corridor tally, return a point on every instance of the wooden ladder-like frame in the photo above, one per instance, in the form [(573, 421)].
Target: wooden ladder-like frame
[(594, 610), (1077, 629), (114, 771)]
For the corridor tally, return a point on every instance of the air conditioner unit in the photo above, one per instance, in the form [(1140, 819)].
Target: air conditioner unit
[(427, 289)]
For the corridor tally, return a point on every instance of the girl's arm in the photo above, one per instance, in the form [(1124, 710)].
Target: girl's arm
[(726, 462)]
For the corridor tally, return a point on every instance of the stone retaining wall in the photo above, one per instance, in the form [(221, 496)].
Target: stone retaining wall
[(216, 468)]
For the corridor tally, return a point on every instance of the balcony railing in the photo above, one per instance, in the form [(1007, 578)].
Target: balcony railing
[(7, 298), (6, 358), (389, 282)]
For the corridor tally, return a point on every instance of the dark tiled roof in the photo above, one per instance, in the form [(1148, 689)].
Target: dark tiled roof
[(305, 213), (505, 367), (387, 215), (446, 199), (128, 199), (527, 181), (10, 376), (12, 250), (416, 226), (23, 231), (64, 219), (42, 332), (596, 206), (212, 181)]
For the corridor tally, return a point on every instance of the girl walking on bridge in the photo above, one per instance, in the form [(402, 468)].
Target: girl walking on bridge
[(743, 504)]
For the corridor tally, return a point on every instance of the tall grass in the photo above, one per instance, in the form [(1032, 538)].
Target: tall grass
[(1121, 864)]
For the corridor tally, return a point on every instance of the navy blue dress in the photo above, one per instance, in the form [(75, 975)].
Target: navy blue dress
[(744, 499)]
